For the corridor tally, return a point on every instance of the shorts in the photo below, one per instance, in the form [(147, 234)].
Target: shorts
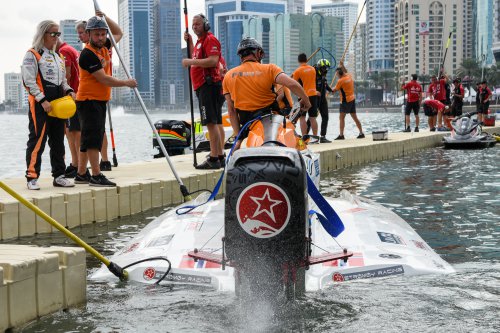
[(412, 106), (93, 121), (73, 123), (313, 110), (456, 109), (428, 111), (348, 107), (210, 100), (246, 116), (483, 108), (446, 103)]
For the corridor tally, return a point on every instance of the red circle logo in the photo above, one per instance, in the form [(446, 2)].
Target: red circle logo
[(263, 210), (149, 273), (337, 277)]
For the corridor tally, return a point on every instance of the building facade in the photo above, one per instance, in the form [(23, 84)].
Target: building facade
[(380, 23), (484, 31), (296, 7), (226, 19), (360, 62), (469, 28), (348, 11), (68, 33), (16, 95), (422, 37), (496, 30), (136, 19), (169, 79)]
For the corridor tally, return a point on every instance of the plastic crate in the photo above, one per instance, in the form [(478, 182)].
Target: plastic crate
[(380, 135)]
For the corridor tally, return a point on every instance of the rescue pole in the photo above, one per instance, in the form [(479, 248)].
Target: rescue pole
[(349, 42), (445, 51), (113, 268), (183, 188), (188, 53), (115, 160), (403, 41)]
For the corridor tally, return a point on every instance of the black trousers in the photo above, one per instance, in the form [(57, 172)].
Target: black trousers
[(41, 127), (323, 111)]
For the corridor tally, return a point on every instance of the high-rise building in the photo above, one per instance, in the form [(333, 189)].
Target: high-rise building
[(484, 31), (296, 6), (226, 18), (169, 80), (380, 35), (349, 12), (136, 19), (258, 28), (361, 65), (496, 31), (14, 90), (68, 33), (469, 28), (426, 27)]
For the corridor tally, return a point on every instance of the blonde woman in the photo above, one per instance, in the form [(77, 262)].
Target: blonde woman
[(44, 76)]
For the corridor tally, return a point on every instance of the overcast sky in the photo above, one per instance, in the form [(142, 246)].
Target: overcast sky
[(18, 21)]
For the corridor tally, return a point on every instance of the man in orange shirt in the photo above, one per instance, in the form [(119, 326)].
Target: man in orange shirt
[(248, 88), (306, 76), (345, 85)]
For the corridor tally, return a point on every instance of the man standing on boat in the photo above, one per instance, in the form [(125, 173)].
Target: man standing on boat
[(207, 82), (322, 68), (414, 92), (305, 75), (94, 92), (345, 85), (248, 88)]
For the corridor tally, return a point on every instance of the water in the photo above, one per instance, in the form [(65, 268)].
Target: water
[(451, 198)]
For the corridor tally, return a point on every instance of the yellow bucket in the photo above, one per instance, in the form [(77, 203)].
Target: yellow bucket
[(63, 107)]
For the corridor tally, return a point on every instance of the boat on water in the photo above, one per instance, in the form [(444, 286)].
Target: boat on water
[(466, 133), (273, 226)]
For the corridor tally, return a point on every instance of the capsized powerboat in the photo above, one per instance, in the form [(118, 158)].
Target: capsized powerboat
[(270, 227), (467, 133)]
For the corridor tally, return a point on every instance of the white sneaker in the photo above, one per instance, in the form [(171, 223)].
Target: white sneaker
[(33, 184), (62, 181)]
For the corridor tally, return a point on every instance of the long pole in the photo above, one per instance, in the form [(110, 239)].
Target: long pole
[(112, 135), (188, 51), (183, 188), (403, 41), (349, 42), (442, 38), (445, 51)]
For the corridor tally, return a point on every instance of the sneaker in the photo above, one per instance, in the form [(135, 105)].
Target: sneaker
[(33, 184), (71, 171), (340, 137), (208, 164), (433, 129), (105, 165), (442, 129), (82, 179), (416, 129), (100, 181), (407, 129), (324, 140), (62, 181), (360, 136)]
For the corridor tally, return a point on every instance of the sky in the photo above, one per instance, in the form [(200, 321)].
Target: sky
[(18, 21)]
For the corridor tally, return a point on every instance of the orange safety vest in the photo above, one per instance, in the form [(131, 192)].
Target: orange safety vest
[(90, 88)]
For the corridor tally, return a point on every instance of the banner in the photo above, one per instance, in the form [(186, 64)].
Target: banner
[(423, 28)]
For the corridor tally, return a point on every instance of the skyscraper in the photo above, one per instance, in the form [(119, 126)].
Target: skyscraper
[(469, 28), (484, 31), (226, 18), (296, 7), (496, 32), (361, 65), (68, 33), (136, 19), (15, 93), (169, 79), (380, 35)]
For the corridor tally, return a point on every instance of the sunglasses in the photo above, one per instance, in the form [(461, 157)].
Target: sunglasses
[(54, 34)]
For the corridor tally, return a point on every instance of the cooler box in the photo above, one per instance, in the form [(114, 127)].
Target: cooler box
[(380, 135), (489, 120)]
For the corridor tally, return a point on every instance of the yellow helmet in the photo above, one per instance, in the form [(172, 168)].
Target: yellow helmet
[(63, 107), (324, 63)]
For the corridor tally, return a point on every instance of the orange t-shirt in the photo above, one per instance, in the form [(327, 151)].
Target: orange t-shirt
[(287, 94), (91, 60), (306, 76), (346, 87), (251, 85)]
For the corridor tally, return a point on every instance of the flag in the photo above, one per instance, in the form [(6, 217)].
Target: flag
[(403, 39)]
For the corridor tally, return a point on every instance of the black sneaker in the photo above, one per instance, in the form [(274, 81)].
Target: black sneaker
[(340, 137), (433, 129), (407, 130), (360, 136), (70, 171), (82, 179), (105, 165), (208, 164), (416, 129), (324, 140), (100, 181)]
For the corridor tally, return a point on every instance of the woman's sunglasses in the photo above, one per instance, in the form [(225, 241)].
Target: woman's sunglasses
[(54, 34)]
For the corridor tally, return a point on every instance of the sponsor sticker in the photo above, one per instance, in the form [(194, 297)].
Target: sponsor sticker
[(390, 238), (263, 210), (149, 273), (419, 244), (374, 273)]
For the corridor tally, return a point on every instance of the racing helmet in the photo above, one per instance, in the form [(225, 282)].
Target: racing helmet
[(95, 23), (248, 45), (324, 63)]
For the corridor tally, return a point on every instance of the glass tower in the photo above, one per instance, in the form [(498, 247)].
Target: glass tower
[(380, 35), (69, 35)]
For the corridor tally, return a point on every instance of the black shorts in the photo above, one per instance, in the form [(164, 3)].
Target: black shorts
[(348, 107), (313, 111), (483, 108), (210, 100), (428, 111), (246, 116), (93, 121), (73, 123), (456, 109), (412, 106)]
